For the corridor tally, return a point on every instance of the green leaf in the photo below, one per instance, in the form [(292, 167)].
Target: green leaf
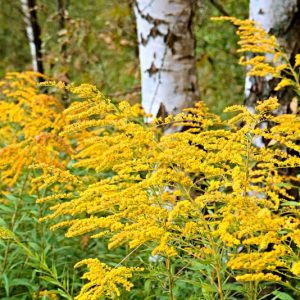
[(11, 197), (148, 286), (63, 294), (6, 284), (19, 282), (290, 203), (208, 288), (282, 296), (5, 208), (51, 280), (231, 287)]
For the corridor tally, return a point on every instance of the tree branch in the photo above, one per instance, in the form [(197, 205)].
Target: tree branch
[(219, 7)]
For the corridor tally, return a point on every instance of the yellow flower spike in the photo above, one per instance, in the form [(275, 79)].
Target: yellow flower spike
[(297, 60), (258, 277), (46, 293), (268, 105), (283, 83), (267, 58), (104, 280), (296, 268), (164, 248)]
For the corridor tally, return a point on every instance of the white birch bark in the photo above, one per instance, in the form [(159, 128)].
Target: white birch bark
[(167, 55), (33, 32), (30, 36)]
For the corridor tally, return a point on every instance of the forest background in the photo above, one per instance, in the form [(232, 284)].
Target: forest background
[(99, 45)]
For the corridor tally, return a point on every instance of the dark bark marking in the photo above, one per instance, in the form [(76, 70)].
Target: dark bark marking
[(149, 18), (186, 57), (154, 32), (36, 29), (162, 112), (170, 39), (152, 70)]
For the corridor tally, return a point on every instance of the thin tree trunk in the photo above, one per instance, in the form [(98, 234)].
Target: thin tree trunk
[(282, 19), (33, 30), (62, 9), (167, 55), (62, 12)]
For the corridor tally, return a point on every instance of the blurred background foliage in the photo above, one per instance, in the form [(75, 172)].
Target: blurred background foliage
[(98, 44)]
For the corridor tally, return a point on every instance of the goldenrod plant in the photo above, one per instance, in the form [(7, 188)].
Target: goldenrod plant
[(29, 122), (33, 260), (200, 213), (269, 58)]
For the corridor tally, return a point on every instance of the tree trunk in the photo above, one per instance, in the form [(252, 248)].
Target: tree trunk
[(282, 19), (62, 13), (33, 31), (167, 55), (62, 9)]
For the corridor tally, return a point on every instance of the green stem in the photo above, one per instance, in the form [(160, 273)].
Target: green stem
[(220, 290), (170, 279), (253, 289)]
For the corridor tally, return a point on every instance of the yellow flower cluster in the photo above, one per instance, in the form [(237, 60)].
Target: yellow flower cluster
[(189, 189), (296, 268), (6, 234), (45, 293), (257, 277), (267, 57), (297, 60), (259, 261), (104, 280), (254, 39), (30, 123), (186, 192)]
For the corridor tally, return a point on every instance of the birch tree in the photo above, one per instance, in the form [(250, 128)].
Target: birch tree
[(167, 55), (282, 19), (62, 9), (33, 30)]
